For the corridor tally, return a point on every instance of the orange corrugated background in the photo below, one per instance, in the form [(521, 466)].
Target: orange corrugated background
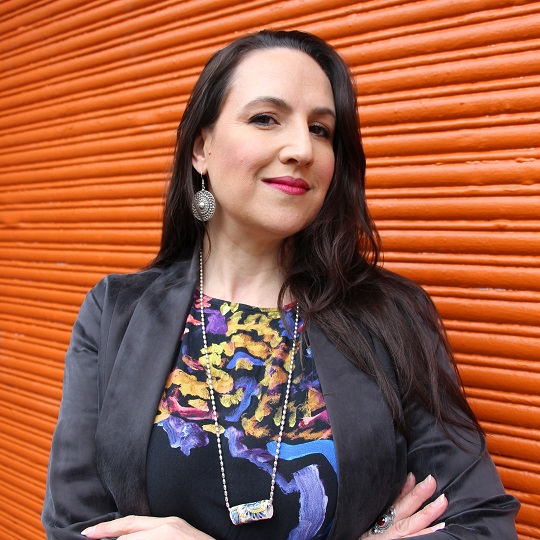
[(90, 95)]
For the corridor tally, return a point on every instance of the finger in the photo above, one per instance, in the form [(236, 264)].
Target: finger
[(422, 519), (120, 526), (152, 534), (390, 534), (408, 486), (168, 529), (429, 530), (408, 504), (163, 531)]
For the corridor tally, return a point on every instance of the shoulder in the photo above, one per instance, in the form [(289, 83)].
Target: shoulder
[(401, 315), (398, 285), (400, 295), (134, 284), (126, 289)]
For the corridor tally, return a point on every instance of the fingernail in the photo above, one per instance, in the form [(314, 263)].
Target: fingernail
[(410, 476), (439, 526), (439, 501), (88, 530), (427, 480)]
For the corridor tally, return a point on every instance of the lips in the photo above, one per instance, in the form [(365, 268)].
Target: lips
[(288, 184)]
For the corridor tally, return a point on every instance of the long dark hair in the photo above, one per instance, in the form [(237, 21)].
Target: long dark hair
[(333, 273)]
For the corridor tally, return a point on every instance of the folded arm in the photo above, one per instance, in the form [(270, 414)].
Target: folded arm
[(75, 497)]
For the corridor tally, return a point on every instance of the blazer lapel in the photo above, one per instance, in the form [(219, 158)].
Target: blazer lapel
[(369, 473), (138, 377)]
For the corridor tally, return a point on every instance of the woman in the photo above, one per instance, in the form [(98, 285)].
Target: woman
[(264, 378)]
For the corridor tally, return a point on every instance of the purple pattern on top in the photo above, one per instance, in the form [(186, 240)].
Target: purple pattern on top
[(251, 388), (184, 435), (216, 323)]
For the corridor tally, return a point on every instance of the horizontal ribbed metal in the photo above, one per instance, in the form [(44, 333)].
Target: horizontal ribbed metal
[(91, 94)]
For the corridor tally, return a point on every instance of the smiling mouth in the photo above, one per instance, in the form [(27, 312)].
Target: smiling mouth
[(288, 184)]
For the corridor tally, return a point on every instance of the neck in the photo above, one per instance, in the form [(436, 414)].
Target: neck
[(246, 272)]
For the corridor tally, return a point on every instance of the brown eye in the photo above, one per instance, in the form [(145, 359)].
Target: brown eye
[(262, 120), (320, 131)]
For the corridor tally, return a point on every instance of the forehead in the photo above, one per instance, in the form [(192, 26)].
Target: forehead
[(284, 73)]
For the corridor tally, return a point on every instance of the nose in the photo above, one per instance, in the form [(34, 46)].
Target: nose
[(298, 146)]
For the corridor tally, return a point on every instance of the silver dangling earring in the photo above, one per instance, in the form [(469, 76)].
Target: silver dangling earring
[(204, 204)]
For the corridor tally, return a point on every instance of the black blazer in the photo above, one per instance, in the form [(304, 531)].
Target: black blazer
[(124, 342)]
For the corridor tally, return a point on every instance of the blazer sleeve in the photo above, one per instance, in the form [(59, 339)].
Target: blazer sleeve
[(75, 497), (478, 505)]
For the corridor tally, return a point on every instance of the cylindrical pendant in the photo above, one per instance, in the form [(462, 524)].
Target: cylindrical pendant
[(250, 512)]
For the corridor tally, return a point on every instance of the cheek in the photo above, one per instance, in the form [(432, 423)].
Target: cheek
[(326, 169), (241, 158)]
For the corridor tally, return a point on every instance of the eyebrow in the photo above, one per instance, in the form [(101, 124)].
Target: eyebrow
[(282, 104)]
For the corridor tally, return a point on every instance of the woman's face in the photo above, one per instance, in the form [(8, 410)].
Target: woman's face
[(269, 156)]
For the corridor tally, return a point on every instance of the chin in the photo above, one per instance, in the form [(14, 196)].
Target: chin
[(287, 232), (286, 226)]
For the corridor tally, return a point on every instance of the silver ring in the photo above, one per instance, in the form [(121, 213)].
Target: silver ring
[(384, 522)]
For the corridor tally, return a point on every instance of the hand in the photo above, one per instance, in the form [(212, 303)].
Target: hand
[(411, 519), (145, 528)]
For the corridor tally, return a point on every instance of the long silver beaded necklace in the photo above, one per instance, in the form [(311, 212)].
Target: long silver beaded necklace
[(256, 510)]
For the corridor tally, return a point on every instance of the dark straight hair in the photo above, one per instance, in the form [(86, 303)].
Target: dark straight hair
[(333, 272)]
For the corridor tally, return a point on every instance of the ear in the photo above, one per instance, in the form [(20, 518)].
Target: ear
[(200, 153)]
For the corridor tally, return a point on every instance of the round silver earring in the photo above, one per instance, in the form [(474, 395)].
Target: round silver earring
[(204, 204)]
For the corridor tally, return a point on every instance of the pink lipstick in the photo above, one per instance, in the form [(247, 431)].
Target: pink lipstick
[(288, 184)]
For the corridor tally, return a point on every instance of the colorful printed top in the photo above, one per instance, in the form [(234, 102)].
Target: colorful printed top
[(249, 351)]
